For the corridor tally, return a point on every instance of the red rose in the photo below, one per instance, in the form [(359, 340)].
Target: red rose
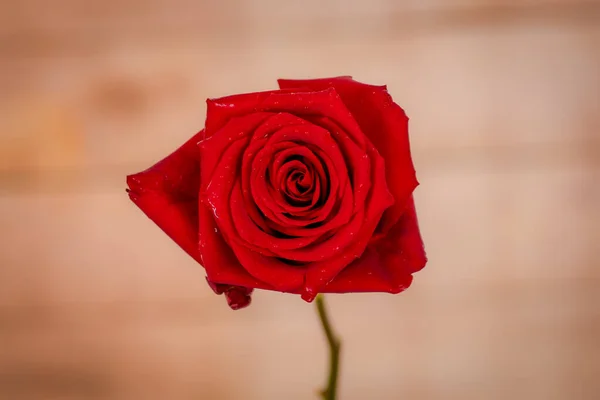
[(303, 190)]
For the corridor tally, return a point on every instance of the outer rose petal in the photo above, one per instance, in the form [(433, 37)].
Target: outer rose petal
[(402, 249), (325, 102), (386, 265), (220, 110), (218, 259), (167, 193), (384, 123)]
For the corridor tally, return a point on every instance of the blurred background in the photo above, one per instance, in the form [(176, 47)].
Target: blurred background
[(504, 99)]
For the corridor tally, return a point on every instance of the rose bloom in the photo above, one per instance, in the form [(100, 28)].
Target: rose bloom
[(304, 190)]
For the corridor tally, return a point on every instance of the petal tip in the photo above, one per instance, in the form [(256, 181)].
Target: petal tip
[(308, 295), (238, 299)]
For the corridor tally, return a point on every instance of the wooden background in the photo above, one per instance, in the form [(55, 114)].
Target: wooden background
[(504, 100)]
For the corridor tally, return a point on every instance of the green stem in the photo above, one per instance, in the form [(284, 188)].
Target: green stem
[(329, 393)]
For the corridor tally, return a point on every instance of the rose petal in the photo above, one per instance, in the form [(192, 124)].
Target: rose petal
[(217, 232), (325, 102), (284, 185), (213, 147), (277, 121), (387, 265), (220, 111), (283, 214), (220, 263), (368, 274), (167, 193), (402, 248), (379, 199), (259, 139), (323, 251), (237, 297), (312, 142), (255, 238), (384, 123), (217, 199), (357, 158), (281, 276)]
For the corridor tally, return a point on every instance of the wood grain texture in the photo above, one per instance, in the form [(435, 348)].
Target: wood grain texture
[(96, 303)]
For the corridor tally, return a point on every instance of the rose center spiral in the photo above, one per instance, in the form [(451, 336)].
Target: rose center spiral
[(297, 182)]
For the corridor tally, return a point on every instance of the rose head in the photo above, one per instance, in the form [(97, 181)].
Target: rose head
[(305, 190)]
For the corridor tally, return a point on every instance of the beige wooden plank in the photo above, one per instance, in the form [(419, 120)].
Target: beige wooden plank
[(75, 248), (482, 225), (510, 224), (507, 307), (479, 87), (226, 18), (529, 339)]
